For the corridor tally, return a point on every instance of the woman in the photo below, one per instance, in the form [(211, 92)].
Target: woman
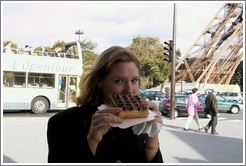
[(192, 106), (83, 134)]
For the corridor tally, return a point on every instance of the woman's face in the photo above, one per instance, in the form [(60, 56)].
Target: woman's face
[(123, 79)]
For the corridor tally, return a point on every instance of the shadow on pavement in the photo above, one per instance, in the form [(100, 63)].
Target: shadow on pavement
[(7, 159), (199, 147)]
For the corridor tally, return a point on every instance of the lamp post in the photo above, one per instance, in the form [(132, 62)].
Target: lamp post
[(79, 32), (172, 109)]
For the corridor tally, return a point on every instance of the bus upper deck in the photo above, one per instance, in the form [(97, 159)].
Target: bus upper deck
[(71, 50)]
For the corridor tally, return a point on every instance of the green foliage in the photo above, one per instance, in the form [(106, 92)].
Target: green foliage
[(13, 45), (58, 44), (154, 70), (89, 58), (237, 78), (178, 56), (88, 45)]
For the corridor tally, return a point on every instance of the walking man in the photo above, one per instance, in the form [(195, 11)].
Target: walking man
[(212, 109)]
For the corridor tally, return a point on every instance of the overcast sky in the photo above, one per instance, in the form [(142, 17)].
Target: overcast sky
[(104, 23)]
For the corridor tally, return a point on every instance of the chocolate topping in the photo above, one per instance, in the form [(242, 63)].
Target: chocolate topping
[(127, 102)]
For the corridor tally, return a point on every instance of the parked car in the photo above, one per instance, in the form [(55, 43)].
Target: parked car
[(180, 110), (233, 96), (189, 92), (141, 94), (153, 95), (223, 104), (142, 90), (163, 107)]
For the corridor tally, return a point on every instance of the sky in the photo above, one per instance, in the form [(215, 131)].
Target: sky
[(104, 23)]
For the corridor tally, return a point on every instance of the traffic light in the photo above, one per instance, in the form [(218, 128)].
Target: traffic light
[(169, 47), (167, 92)]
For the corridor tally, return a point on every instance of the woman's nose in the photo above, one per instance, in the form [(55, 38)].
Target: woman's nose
[(128, 88)]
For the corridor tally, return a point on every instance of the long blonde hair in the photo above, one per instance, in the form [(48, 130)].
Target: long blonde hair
[(90, 93)]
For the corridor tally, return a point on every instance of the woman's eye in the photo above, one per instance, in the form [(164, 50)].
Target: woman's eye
[(118, 81), (135, 80)]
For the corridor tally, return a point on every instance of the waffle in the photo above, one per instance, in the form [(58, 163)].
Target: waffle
[(131, 105)]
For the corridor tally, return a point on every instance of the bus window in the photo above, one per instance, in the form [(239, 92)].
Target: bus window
[(39, 80), (7, 79), (14, 79)]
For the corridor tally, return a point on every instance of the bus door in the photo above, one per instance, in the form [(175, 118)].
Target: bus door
[(67, 87)]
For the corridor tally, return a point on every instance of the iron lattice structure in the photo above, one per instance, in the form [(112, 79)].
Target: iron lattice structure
[(217, 52)]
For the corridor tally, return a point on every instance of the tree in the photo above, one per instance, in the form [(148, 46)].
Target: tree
[(13, 45), (88, 59), (58, 44), (237, 77), (178, 56), (154, 70), (88, 45)]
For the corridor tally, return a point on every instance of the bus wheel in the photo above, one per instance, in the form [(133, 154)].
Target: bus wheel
[(39, 105)]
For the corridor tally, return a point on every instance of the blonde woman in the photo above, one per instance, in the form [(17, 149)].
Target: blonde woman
[(83, 134)]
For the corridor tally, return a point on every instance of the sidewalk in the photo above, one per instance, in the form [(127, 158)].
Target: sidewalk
[(196, 146), (177, 146)]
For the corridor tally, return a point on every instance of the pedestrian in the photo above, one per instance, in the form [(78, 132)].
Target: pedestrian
[(43, 53), (212, 109), (83, 134), (192, 106), (27, 50)]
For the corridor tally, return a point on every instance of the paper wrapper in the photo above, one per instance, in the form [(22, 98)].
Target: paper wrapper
[(130, 122), (144, 128)]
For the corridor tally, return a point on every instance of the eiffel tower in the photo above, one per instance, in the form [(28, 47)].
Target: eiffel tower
[(215, 55)]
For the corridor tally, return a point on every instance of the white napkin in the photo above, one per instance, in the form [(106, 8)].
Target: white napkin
[(129, 122), (152, 129)]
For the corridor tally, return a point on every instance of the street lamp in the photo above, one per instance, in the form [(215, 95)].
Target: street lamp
[(79, 32), (172, 109)]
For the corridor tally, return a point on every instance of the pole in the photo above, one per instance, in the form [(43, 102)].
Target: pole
[(173, 65), (181, 89), (79, 32)]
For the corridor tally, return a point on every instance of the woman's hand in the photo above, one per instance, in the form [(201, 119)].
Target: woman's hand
[(153, 107), (100, 123), (152, 143)]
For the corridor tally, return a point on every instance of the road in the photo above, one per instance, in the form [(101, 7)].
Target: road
[(24, 139)]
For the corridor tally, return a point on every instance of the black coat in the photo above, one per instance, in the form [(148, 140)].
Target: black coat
[(67, 143), (211, 104)]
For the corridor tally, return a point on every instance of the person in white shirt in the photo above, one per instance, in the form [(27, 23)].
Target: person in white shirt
[(27, 50)]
